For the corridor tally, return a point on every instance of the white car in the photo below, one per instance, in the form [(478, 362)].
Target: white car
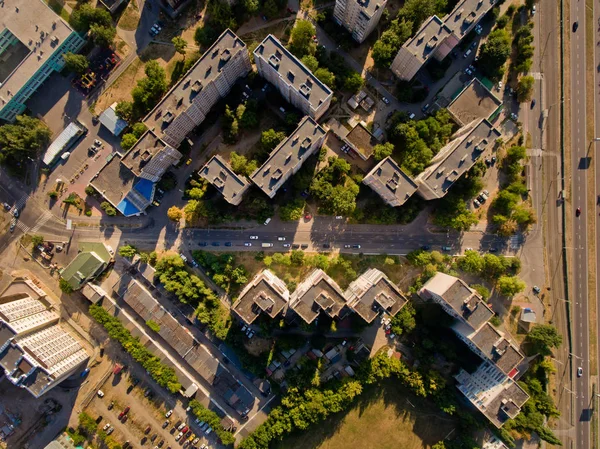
[(106, 426), (347, 246), (281, 239), (110, 250), (286, 245), (533, 10), (183, 257), (254, 237), (178, 437), (100, 393), (181, 426), (339, 217), (169, 413), (97, 143), (208, 431), (247, 244)]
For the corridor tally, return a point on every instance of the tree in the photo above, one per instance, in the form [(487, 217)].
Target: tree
[(180, 44), (270, 138), (386, 48), (103, 35), (353, 82), (205, 35), (525, 88), (76, 63), (127, 251), (138, 129), (153, 325), (128, 141), (196, 193), (382, 150), (301, 39), (248, 114), (293, 210), (150, 89), (471, 262), (108, 208), (53, 194), (230, 125), (36, 240), (240, 164), (124, 110), (251, 6), (86, 15), (297, 257), (174, 213), (544, 338), (22, 139), (510, 285), (65, 287), (270, 8), (310, 62), (494, 53), (326, 77), (404, 321), (89, 190)]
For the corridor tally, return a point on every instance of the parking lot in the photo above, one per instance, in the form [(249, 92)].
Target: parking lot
[(145, 423)]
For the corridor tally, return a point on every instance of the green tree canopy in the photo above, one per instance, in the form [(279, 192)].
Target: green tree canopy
[(301, 39), (310, 62), (270, 138), (150, 89), (525, 88), (544, 338), (127, 251), (382, 150), (103, 35), (510, 285), (124, 110), (494, 53), (180, 44), (128, 141), (76, 63), (353, 82), (22, 139), (326, 77)]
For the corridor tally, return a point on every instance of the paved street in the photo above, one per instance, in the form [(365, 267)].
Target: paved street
[(579, 147), (595, 149)]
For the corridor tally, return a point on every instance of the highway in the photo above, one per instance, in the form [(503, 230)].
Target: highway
[(579, 147)]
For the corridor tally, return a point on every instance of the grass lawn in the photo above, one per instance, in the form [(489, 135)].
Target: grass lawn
[(130, 18), (57, 7), (383, 418)]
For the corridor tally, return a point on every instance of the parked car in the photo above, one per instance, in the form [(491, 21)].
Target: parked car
[(111, 430), (166, 424), (178, 437), (100, 393), (385, 100), (227, 243), (446, 248), (169, 413), (181, 426), (106, 426), (326, 245), (536, 289)]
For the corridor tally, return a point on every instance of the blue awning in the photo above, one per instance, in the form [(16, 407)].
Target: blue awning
[(145, 188), (127, 208)]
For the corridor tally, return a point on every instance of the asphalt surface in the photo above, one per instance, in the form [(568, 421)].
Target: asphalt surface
[(579, 266), (595, 149)]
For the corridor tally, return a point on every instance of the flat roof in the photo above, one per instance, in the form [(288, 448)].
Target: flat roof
[(148, 146), (465, 13), (465, 302), (474, 102), (317, 292), (362, 139), (114, 181), (368, 7), (27, 20), (459, 155), (224, 179), (389, 181), (506, 405), (372, 292), (292, 71), (497, 348), (266, 293), (288, 155), (205, 70), (423, 44)]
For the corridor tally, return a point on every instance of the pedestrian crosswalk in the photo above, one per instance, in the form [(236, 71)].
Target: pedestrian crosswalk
[(23, 227), (20, 203), (42, 221)]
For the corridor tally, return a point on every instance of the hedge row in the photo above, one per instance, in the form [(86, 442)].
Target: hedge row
[(213, 420), (164, 375)]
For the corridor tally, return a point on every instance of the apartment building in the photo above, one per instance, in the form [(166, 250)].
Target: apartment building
[(373, 294), (36, 351), (265, 293), (436, 38), (33, 39), (491, 388), (292, 79), (315, 294), (220, 174), (389, 182), (186, 105), (467, 146), (360, 17), (287, 158)]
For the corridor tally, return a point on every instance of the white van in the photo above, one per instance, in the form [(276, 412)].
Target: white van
[(266, 245), (267, 221), (467, 53)]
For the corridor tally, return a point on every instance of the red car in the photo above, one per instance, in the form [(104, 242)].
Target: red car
[(126, 410), (185, 429), (121, 415), (124, 419)]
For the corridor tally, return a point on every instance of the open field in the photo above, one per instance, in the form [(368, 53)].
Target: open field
[(385, 417)]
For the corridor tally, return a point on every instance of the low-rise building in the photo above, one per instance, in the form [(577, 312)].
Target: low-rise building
[(36, 351), (293, 80), (111, 121), (491, 388), (315, 294), (33, 40), (265, 293), (372, 294), (360, 17), (361, 141), (128, 182), (287, 158), (456, 158), (211, 78), (436, 38), (389, 182), (220, 174), (91, 260)]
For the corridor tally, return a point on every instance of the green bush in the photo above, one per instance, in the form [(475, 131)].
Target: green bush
[(213, 420), (164, 375)]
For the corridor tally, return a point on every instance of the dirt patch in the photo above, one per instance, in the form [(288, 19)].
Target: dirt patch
[(130, 18), (258, 346)]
